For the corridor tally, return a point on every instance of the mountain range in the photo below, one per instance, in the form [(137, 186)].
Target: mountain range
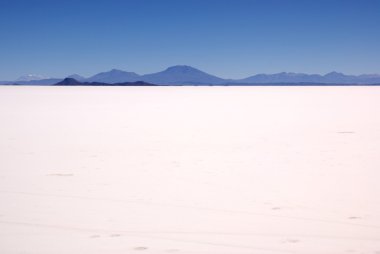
[(187, 75)]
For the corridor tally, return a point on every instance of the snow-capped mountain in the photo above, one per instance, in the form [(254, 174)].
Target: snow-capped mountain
[(29, 77)]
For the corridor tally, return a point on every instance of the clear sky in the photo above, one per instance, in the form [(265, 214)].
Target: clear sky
[(228, 38)]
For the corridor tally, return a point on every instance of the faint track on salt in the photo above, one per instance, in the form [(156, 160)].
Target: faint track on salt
[(195, 208), (121, 231), (148, 236)]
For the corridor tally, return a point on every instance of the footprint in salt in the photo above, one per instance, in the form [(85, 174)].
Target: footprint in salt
[(140, 248), (291, 241), (354, 218)]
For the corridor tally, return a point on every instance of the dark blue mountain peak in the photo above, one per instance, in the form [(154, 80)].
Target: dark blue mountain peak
[(116, 70), (334, 74), (182, 68), (68, 82), (114, 76), (182, 74)]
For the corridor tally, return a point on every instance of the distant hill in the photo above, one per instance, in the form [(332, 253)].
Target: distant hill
[(74, 82), (329, 78), (114, 76), (77, 77), (41, 82), (187, 75), (283, 77), (30, 77), (180, 75)]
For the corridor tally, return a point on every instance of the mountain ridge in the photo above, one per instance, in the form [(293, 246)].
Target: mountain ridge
[(188, 75)]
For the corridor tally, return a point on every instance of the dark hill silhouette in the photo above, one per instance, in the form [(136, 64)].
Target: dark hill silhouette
[(74, 82)]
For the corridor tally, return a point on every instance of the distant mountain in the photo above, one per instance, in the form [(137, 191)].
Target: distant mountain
[(77, 77), (329, 78), (31, 77), (68, 82), (42, 82), (283, 77), (114, 76), (74, 82), (336, 77), (181, 75)]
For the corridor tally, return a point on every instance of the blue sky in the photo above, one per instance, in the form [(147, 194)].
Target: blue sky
[(228, 38)]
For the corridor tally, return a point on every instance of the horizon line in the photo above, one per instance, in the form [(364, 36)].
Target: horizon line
[(184, 65)]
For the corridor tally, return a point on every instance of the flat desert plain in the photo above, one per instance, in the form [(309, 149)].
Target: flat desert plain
[(213, 170)]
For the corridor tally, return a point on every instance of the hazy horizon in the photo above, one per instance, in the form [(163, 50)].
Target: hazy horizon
[(141, 74)]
